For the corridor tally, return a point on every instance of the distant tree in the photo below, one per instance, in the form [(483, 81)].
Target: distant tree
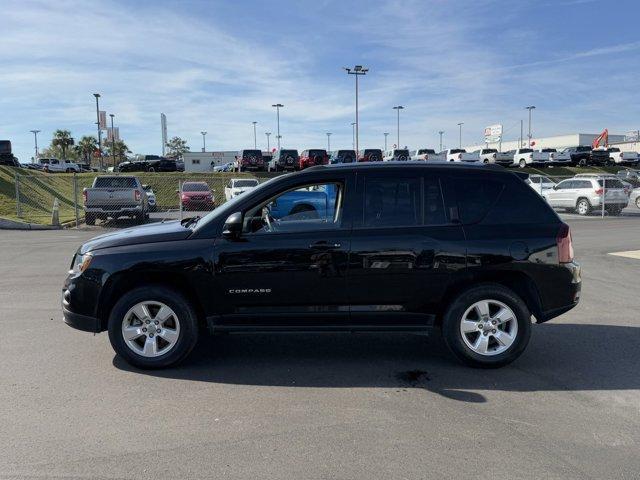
[(120, 148), (177, 147), (86, 147), (62, 139)]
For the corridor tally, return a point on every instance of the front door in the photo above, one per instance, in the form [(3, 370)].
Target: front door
[(288, 268)]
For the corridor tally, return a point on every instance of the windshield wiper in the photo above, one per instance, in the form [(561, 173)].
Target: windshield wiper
[(187, 222)]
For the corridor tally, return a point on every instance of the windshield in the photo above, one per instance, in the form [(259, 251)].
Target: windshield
[(548, 150), (115, 182), (195, 187), (526, 150), (426, 150), (245, 183), (458, 150)]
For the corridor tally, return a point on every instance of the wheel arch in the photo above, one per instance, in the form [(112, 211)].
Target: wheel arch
[(118, 284)]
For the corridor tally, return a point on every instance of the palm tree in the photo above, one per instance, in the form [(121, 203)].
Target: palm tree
[(119, 148), (86, 147), (63, 140)]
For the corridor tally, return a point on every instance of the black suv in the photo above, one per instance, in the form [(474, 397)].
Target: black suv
[(250, 160), (470, 250), (151, 163), (580, 155), (343, 156), (285, 159)]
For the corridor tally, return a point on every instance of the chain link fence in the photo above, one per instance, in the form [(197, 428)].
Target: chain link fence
[(123, 199)]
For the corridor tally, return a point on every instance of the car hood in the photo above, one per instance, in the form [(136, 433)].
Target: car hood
[(151, 233)]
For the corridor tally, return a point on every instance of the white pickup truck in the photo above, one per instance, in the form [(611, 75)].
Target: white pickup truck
[(492, 155), (523, 157), (427, 155), (53, 165), (621, 158), (459, 155), (555, 157), (237, 186)]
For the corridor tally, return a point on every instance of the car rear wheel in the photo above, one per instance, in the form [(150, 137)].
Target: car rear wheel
[(89, 219), (153, 327), (522, 163), (487, 326), (638, 202), (583, 207)]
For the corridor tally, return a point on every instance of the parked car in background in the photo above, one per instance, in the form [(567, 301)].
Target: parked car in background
[(492, 155), (6, 155), (370, 155), (150, 163), (151, 197), (313, 157), (285, 159), (238, 186), (628, 174), (618, 157), (554, 157), (342, 156), (459, 155), (180, 165), (540, 183), (115, 197), (197, 196), (585, 194), (266, 158), (225, 167), (523, 157), (634, 198), (33, 166), (580, 155), (54, 165), (397, 155), (250, 160), (427, 155)]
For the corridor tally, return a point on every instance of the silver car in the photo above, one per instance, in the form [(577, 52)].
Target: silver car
[(635, 197), (584, 194)]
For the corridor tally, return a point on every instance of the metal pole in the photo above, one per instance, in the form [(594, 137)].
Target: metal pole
[(356, 147), (386, 134), (113, 142), (255, 140), (35, 138), (268, 146), (353, 135), (398, 144), (521, 130), (530, 107), (18, 206), (204, 144), (441, 132), (277, 107), (460, 135), (75, 198), (180, 198), (97, 95), (328, 141), (604, 193)]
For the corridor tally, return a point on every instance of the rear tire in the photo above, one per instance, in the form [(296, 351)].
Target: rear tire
[(89, 219), (583, 207), (184, 323), (522, 163), (499, 343)]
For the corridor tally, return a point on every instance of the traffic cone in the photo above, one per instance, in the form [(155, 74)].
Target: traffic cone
[(55, 214)]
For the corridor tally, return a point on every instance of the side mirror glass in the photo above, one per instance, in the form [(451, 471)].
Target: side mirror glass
[(232, 225)]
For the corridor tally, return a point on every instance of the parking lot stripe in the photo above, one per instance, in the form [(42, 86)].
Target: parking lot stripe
[(630, 254)]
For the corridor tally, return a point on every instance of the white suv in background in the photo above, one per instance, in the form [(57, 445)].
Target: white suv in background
[(584, 194), (53, 165), (237, 186)]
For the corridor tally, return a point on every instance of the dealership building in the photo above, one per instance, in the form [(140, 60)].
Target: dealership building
[(559, 142), (203, 162)]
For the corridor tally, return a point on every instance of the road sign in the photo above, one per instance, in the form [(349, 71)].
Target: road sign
[(493, 133)]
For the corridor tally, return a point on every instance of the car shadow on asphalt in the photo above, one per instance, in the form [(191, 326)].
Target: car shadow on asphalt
[(560, 357)]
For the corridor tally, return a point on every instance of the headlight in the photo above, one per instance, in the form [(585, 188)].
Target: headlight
[(81, 263)]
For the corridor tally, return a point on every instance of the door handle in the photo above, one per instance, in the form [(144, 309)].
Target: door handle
[(323, 245)]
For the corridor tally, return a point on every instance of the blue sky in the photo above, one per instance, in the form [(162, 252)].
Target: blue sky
[(219, 65)]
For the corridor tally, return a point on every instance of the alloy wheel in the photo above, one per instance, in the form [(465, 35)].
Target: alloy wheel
[(489, 327), (150, 328)]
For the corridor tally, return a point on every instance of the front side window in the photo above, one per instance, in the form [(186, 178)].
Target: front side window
[(303, 209), (392, 202)]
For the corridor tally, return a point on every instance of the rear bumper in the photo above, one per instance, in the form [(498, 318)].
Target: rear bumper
[(572, 294), (107, 210)]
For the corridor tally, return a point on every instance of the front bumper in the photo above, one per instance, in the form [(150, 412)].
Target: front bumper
[(81, 322)]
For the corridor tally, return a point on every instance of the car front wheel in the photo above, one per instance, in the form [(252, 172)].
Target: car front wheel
[(153, 327), (583, 207), (487, 326)]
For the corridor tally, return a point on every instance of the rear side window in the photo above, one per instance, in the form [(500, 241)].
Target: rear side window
[(519, 204), (475, 197), (392, 202)]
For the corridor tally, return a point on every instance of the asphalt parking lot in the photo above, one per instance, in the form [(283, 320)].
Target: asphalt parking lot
[(321, 406)]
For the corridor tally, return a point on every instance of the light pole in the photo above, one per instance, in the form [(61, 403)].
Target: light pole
[(35, 139), (113, 141), (278, 106), (255, 140), (97, 95), (441, 132), (268, 134), (398, 108), (353, 135), (386, 134), (204, 144), (531, 107), (357, 71), (460, 135), (329, 142)]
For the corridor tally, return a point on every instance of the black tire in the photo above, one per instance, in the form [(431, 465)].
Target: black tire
[(187, 337), (585, 202), (89, 219), (139, 218), (638, 202), (453, 316), (151, 170)]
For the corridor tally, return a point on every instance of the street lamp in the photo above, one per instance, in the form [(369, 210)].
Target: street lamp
[(398, 108), (255, 141), (357, 71), (460, 134), (531, 107), (329, 141), (113, 141), (97, 95), (278, 106), (353, 135), (386, 134), (35, 138), (441, 132), (204, 144), (268, 134)]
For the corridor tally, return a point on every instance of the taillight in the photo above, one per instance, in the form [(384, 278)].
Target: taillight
[(84, 196), (599, 191), (565, 246), (138, 195)]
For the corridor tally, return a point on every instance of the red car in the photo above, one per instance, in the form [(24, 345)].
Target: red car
[(197, 196), (311, 158)]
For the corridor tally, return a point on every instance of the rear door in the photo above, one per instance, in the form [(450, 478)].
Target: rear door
[(403, 249)]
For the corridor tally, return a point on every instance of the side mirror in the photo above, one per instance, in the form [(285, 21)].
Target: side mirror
[(232, 225), (555, 187)]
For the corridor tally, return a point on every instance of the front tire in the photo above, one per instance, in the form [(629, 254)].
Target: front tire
[(153, 327), (583, 207), (522, 163), (487, 326)]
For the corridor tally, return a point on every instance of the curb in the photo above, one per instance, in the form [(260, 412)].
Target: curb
[(6, 224)]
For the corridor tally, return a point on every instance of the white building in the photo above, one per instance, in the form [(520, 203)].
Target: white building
[(557, 141), (203, 162)]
